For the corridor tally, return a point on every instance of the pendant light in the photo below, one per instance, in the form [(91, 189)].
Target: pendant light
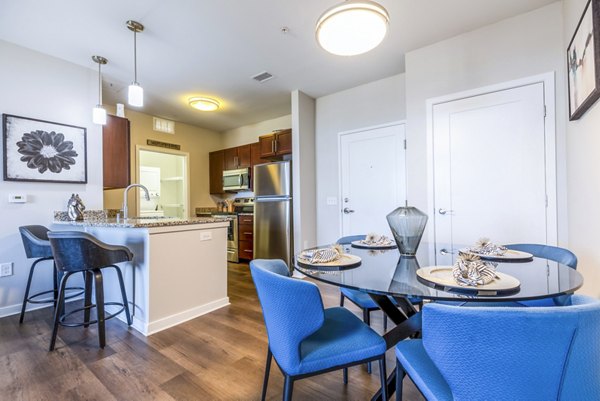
[(136, 92), (99, 112), (352, 27)]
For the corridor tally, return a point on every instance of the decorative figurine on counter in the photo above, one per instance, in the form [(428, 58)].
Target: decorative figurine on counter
[(75, 208)]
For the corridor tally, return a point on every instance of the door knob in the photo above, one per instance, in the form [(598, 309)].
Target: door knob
[(348, 211), (444, 251), (444, 211)]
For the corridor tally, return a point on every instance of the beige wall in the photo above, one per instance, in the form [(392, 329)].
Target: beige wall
[(583, 174), (250, 133), (196, 141)]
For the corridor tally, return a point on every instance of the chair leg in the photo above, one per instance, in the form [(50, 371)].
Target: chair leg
[(27, 288), (263, 396), (87, 303), (100, 307), (341, 299), (383, 377), (57, 310), (345, 375), (367, 320), (384, 322), (55, 282), (288, 387), (124, 295), (400, 373)]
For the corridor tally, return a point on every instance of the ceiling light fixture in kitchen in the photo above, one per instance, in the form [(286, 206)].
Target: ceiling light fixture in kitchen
[(204, 103), (99, 112), (136, 92), (352, 27)]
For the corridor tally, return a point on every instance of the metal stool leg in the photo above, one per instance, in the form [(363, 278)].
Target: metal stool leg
[(100, 307), (27, 288), (59, 304), (367, 320), (288, 387), (267, 372), (123, 295), (88, 279)]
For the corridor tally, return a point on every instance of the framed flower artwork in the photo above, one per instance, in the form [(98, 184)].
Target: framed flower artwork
[(43, 151)]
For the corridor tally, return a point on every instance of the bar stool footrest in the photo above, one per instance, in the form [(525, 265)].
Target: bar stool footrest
[(79, 324), (32, 299)]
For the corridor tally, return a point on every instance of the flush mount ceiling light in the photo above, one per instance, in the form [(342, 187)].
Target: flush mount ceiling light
[(204, 103), (99, 112), (352, 27), (136, 92)]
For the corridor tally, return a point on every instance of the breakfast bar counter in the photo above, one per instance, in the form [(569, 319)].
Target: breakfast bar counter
[(179, 270)]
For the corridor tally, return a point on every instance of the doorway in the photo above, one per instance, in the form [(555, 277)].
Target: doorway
[(166, 175), (372, 178), (494, 171)]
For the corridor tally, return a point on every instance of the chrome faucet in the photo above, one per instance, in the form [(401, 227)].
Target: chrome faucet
[(125, 208)]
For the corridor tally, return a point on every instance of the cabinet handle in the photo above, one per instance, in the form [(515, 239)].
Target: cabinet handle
[(273, 146), (248, 250), (235, 161), (247, 233), (276, 143)]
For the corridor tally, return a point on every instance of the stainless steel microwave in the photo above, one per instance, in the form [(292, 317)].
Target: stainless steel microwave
[(236, 180)]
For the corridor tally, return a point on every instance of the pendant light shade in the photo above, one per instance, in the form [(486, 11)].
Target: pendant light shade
[(136, 92), (98, 112), (353, 27)]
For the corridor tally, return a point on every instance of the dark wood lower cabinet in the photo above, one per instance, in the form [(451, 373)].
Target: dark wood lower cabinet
[(246, 236)]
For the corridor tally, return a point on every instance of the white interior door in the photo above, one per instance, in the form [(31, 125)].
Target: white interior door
[(373, 179), (490, 174)]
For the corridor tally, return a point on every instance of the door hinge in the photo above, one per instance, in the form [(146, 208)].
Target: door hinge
[(405, 144), (546, 200), (545, 111)]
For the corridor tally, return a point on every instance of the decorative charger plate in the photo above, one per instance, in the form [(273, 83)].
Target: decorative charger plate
[(510, 255), (345, 261), (442, 276), (359, 244)]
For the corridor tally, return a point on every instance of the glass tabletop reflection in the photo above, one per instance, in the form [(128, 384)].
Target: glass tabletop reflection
[(386, 272)]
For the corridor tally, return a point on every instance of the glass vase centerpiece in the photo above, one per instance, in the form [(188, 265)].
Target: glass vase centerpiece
[(407, 224)]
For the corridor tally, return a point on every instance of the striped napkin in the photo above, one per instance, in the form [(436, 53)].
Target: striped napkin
[(373, 239), (321, 255)]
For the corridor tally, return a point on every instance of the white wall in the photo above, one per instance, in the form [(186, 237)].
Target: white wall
[(250, 133), (303, 171), (522, 46), (375, 103), (583, 166), (38, 86)]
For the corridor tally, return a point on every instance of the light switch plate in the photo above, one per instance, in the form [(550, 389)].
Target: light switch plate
[(6, 269), (206, 236), (331, 201)]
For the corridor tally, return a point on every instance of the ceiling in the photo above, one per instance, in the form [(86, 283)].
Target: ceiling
[(213, 48)]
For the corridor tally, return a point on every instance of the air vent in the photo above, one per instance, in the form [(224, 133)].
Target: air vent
[(262, 77), (162, 125)]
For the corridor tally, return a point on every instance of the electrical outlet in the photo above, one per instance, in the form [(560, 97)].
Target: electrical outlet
[(206, 236), (6, 269)]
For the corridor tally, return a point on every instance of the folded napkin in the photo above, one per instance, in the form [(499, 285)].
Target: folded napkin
[(485, 247), (376, 240), (321, 255), (470, 270)]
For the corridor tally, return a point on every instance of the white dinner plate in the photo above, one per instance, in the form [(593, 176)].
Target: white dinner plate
[(442, 275), (509, 255), (345, 261), (359, 244)]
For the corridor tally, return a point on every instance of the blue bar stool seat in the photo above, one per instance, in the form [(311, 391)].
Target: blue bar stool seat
[(75, 252)]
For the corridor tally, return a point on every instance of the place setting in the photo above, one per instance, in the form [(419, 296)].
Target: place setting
[(328, 259), (375, 242)]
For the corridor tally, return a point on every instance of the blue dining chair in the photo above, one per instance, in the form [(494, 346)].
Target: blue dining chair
[(554, 253), (304, 338), (498, 353)]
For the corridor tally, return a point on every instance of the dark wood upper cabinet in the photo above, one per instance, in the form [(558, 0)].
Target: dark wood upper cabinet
[(231, 158), (115, 153), (244, 156), (276, 144), (216, 164), (255, 154)]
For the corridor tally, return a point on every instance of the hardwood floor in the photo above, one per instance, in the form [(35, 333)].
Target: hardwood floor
[(219, 356)]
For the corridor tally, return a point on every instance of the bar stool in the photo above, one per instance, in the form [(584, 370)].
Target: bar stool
[(75, 252), (36, 244)]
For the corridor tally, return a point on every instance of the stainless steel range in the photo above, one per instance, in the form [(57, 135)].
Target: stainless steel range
[(240, 205)]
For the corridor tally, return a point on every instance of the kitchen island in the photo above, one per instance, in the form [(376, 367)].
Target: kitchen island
[(179, 270)]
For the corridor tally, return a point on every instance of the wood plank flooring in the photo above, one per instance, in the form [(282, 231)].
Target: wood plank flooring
[(219, 356)]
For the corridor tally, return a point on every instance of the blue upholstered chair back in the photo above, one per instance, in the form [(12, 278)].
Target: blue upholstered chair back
[(560, 255), (35, 241), (350, 238), (497, 353), (75, 251), (292, 309)]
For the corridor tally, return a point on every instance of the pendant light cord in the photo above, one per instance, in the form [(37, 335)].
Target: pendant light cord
[(100, 84), (135, 56)]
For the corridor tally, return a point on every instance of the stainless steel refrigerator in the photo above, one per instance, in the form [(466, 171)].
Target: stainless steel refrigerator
[(273, 228)]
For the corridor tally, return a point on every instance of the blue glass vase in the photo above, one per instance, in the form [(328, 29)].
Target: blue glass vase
[(407, 225)]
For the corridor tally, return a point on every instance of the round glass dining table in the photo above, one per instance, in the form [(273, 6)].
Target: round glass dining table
[(391, 281)]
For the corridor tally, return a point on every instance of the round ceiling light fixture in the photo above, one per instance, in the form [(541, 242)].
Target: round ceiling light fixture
[(204, 103), (353, 27)]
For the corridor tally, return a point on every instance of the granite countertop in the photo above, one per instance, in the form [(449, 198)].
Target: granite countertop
[(99, 219)]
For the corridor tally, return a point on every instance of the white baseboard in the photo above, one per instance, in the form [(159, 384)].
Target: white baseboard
[(16, 309), (150, 328)]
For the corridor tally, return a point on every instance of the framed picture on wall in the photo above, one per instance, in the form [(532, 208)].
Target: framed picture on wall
[(583, 62), (44, 151)]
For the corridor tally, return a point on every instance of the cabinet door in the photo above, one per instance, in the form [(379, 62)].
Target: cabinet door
[(244, 156), (284, 143), (267, 145), (216, 162), (255, 154), (115, 152), (231, 159)]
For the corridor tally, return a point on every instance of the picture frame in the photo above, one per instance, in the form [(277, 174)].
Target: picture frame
[(43, 151), (583, 62)]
